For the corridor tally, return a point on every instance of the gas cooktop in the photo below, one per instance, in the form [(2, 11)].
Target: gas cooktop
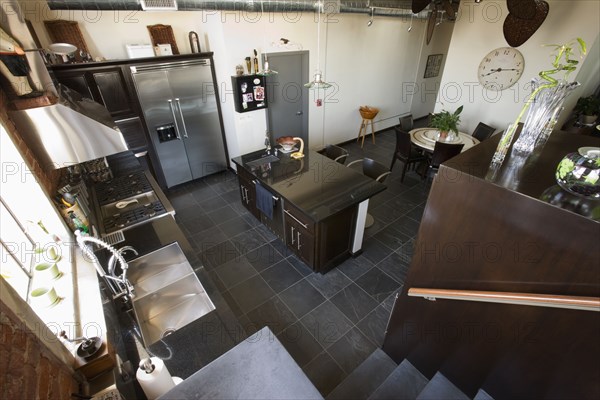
[(126, 201), (122, 187)]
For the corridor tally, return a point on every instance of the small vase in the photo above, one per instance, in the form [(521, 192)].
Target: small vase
[(542, 115), (442, 136)]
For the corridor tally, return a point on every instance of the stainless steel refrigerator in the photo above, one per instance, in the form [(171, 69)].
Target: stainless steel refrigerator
[(179, 101)]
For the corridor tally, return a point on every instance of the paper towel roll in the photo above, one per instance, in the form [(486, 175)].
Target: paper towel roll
[(157, 382)]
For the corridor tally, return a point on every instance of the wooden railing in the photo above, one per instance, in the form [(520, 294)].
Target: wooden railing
[(527, 299)]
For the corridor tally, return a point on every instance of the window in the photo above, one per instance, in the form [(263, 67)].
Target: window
[(26, 218)]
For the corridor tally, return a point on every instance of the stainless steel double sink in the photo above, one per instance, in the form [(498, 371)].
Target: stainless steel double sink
[(168, 294)]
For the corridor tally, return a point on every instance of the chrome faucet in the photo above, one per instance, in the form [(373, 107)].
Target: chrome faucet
[(119, 285)]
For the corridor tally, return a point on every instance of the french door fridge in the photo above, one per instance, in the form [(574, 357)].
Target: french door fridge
[(180, 107)]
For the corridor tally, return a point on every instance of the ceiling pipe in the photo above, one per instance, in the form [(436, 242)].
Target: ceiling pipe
[(382, 8)]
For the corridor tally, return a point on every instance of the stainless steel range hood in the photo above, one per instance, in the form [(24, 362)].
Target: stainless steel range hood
[(72, 131)]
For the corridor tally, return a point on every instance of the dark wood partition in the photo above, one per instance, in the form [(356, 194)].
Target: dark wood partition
[(501, 233)]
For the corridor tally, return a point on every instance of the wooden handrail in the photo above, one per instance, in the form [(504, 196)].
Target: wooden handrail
[(527, 299)]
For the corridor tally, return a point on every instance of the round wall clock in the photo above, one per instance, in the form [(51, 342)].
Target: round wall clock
[(501, 68)]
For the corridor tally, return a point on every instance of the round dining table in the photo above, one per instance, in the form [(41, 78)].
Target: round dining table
[(425, 138)]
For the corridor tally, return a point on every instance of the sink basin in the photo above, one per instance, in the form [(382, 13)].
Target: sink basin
[(168, 294)]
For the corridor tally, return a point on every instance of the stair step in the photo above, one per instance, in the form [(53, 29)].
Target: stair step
[(439, 387), (365, 378), (406, 382), (482, 395)]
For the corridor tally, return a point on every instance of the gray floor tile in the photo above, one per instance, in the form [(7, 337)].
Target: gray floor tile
[(351, 349), (324, 373), (263, 257), (329, 284), (235, 271), (301, 298), (280, 276), (378, 284), (251, 293), (396, 266), (354, 302), (354, 267), (218, 254), (301, 345), (326, 323), (273, 313), (374, 324)]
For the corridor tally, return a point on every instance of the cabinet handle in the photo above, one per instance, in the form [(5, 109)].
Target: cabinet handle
[(292, 234), (247, 198), (182, 119), (298, 239), (243, 194), (296, 219), (174, 119)]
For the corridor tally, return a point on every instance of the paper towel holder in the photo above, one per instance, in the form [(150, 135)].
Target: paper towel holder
[(147, 366)]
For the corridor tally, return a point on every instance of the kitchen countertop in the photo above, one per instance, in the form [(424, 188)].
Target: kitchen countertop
[(257, 368), (317, 185)]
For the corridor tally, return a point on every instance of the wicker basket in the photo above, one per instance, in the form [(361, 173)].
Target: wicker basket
[(367, 112)]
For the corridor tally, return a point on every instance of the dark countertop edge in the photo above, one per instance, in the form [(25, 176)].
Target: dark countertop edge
[(476, 164), (128, 61)]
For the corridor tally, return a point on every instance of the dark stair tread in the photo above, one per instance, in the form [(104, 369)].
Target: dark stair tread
[(439, 387), (406, 382), (365, 378), (482, 395)]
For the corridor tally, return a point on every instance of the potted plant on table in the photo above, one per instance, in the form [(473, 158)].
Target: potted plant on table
[(446, 122), (588, 108)]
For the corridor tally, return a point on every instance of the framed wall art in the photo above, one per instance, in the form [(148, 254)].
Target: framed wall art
[(432, 68)]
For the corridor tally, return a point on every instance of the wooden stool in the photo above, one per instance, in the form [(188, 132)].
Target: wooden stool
[(367, 114), (362, 132)]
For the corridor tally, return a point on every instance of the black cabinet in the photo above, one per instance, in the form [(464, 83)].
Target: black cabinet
[(248, 192), (249, 92), (105, 85), (299, 234)]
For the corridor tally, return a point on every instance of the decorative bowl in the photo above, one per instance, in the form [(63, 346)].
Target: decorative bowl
[(287, 143), (579, 172)]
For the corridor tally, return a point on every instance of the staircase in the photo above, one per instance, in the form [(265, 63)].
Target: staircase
[(379, 378)]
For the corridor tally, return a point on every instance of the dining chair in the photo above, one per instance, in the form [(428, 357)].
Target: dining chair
[(336, 153), (441, 152), (375, 171), (405, 151), (406, 123), (483, 131)]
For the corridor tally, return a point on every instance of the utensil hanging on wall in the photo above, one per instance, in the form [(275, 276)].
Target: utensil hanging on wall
[(194, 42)]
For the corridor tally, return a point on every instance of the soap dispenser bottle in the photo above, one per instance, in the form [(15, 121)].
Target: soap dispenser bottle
[(267, 142)]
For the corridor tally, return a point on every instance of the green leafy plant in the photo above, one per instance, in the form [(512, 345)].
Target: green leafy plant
[(446, 121), (589, 105), (563, 62)]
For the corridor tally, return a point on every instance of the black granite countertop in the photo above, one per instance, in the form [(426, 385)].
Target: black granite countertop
[(317, 185)]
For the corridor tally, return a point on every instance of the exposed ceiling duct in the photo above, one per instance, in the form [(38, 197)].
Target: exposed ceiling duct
[(389, 8)]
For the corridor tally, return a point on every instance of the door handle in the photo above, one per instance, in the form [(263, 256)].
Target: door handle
[(298, 240), (185, 134), (299, 113), (174, 119)]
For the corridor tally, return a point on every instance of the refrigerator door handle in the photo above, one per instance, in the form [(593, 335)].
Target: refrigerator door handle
[(174, 119), (185, 135)]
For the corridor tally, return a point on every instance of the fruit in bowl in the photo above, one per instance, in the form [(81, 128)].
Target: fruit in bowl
[(287, 143)]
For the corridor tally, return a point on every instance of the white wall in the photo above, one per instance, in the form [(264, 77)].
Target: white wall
[(368, 65), (478, 30)]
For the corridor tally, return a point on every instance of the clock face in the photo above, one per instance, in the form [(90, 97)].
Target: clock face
[(501, 68)]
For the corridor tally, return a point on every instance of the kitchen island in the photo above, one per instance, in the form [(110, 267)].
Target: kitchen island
[(319, 206)]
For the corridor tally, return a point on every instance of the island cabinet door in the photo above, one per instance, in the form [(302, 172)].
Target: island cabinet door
[(299, 235), (248, 191)]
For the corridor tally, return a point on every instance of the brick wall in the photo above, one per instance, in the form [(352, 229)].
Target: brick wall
[(28, 370)]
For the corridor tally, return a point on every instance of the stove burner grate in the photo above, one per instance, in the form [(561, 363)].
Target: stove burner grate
[(133, 216), (122, 187)]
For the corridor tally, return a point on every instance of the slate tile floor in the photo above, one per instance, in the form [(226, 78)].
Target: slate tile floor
[(329, 323)]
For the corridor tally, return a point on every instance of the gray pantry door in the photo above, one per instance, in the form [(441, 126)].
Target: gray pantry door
[(287, 113)]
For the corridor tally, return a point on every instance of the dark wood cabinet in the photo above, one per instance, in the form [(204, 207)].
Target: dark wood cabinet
[(299, 234), (105, 85), (248, 192)]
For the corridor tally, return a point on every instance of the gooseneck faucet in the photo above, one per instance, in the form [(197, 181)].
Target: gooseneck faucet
[(119, 285)]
